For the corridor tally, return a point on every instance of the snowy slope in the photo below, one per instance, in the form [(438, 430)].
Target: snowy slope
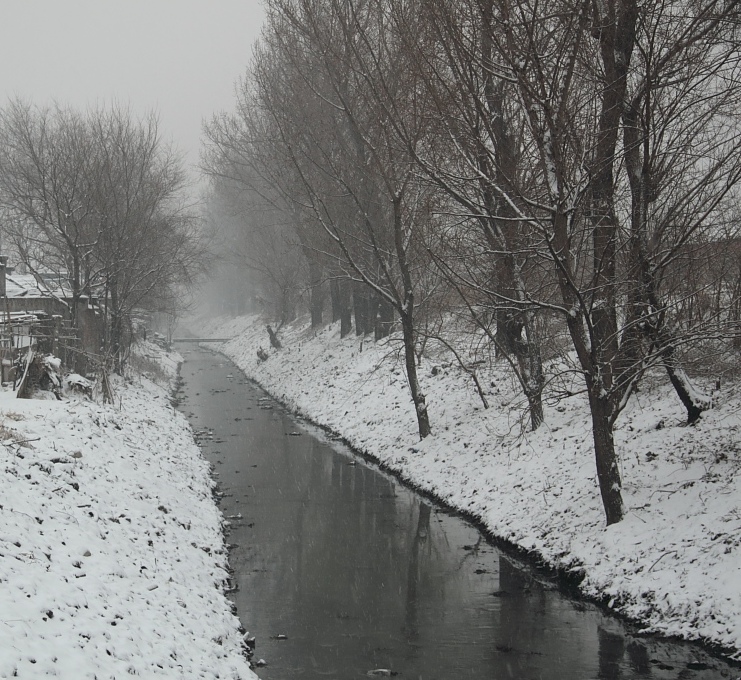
[(111, 553), (673, 564)]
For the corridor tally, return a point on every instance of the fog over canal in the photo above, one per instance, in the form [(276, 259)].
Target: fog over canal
[(341, 570)]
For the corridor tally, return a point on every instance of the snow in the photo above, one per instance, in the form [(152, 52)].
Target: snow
[(25, 285), (112, 561), (76, 380), (673, 564)]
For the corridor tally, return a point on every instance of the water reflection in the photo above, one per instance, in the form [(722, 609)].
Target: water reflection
[(360, 574)]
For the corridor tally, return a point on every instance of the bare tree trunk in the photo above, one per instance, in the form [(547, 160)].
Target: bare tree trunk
[(317, 305), (385, 319), (360, 305), (286, 311), (515, 323), (115, 348), (317, 292), (116, 341), (534, 397), (602, 399), (345, 308), (334, 298), (616, 33), (418, 398), (694, 402), (608, 472), (341, 307), (274, 341), (514, 333)]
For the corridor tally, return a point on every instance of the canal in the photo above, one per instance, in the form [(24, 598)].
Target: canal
[(342, 572)]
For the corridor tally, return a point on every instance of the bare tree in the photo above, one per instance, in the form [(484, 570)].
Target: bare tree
[(681, 149), (279, 236), (47, 185), (148, 238), (100, 198), (556, 161), (356, 153), (575, 67), (475, 156)]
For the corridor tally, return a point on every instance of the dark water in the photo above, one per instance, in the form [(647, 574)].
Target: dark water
[(360, 574)]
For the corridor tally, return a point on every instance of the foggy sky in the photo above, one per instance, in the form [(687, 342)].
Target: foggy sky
[(179, 57)]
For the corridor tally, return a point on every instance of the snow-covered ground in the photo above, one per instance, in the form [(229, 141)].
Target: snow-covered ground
[(112, 559), (673, 564)]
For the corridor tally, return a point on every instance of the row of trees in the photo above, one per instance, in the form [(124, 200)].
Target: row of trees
[(566, 173), (97, 198)]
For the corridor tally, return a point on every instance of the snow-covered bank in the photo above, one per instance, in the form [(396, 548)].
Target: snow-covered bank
[(673, 564), (111, 552)]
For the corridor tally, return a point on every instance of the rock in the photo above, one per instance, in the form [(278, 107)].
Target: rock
[(76, 454)]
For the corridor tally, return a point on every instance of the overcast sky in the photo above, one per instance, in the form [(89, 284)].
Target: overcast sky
[(179, 57)]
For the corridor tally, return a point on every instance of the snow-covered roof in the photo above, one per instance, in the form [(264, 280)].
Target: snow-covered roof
[(26, 286)]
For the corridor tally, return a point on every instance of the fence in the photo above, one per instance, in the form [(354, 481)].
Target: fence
[(44, 334)]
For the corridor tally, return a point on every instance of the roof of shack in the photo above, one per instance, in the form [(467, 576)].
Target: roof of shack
[(27, 286)]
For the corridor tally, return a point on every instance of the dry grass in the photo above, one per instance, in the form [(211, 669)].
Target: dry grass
[(7, 433), (141, 364)]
